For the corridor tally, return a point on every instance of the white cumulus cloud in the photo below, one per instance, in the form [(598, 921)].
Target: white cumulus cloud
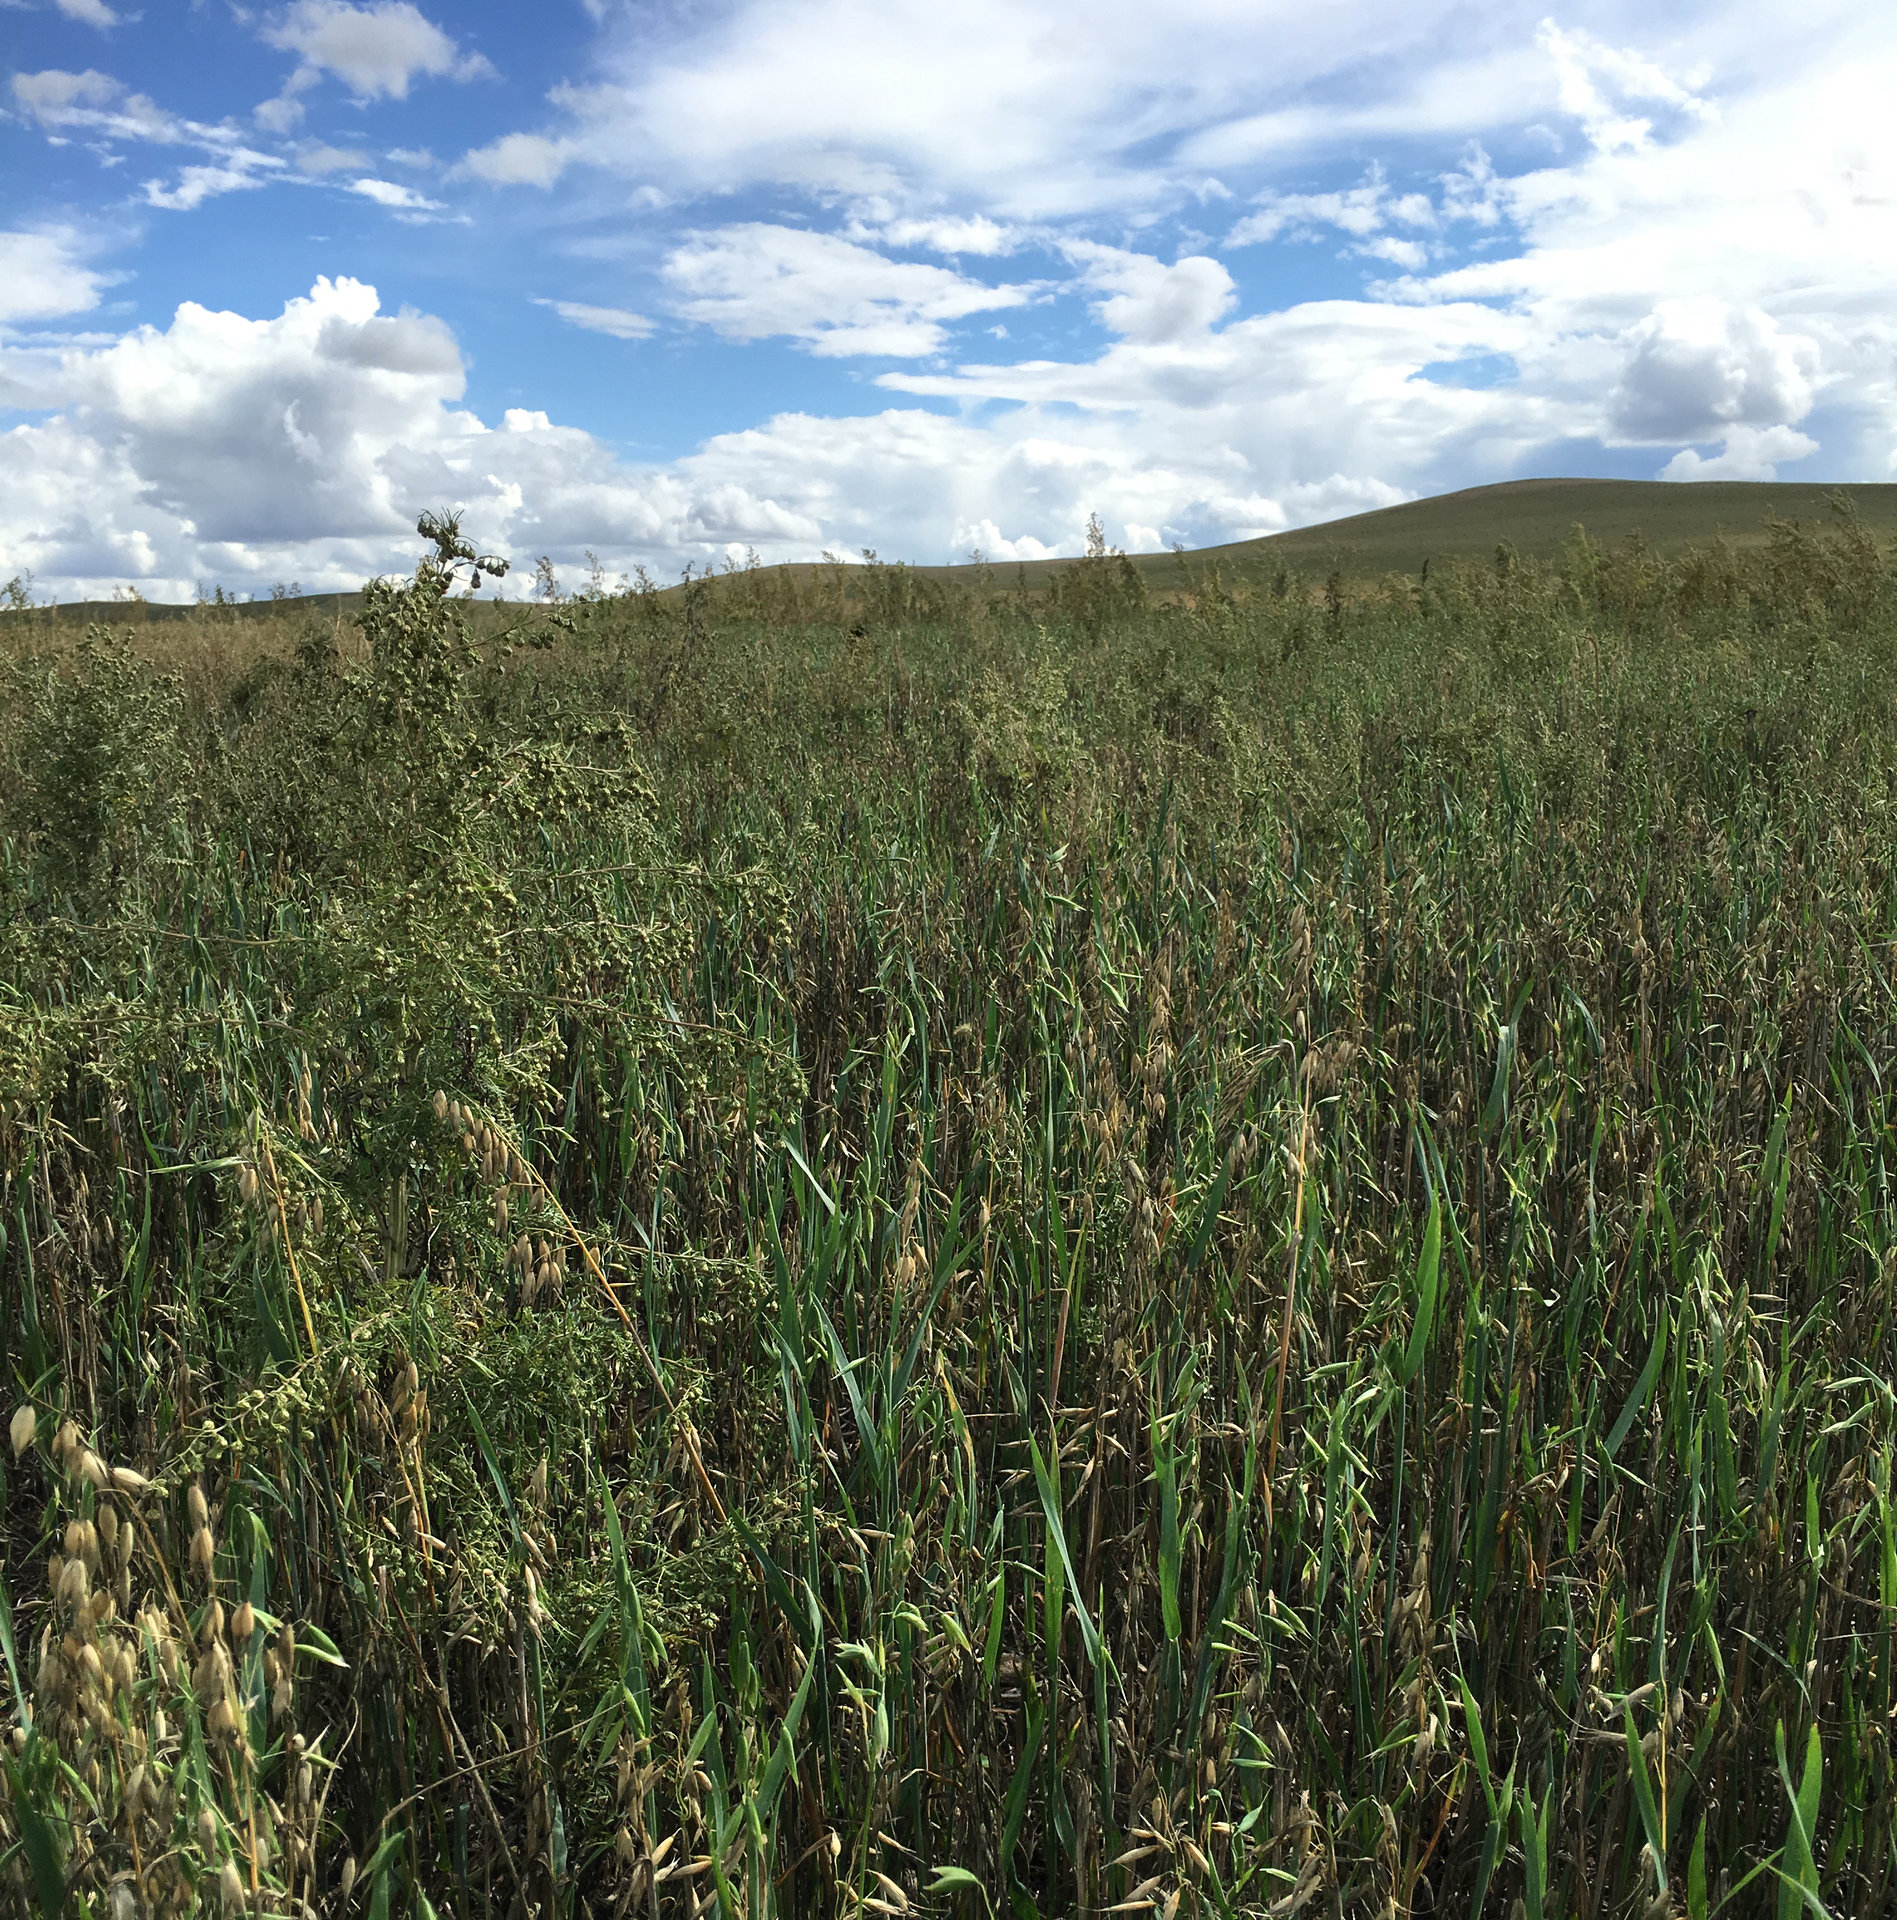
[(43, 276), (319, 159), (1145, 299), (1696, 368), (1749, 453), (89, 13), (946, 233), (754, 280), (1601, 85), (378, 50), (303, 446), (518, 160)]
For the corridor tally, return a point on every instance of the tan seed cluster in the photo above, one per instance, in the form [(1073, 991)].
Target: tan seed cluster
[(510, 1179), (541, 1266), (114, 1688)]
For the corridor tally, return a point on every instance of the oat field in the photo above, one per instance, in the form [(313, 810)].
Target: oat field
[(841, 1245)]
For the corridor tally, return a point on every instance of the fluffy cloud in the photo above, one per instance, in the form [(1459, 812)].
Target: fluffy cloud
[(158, 443), (95, 103), (1359, 212), (1728, 284), (1697, 368), (947, 233), (240, 172), (320, 159), (101, 107), (377, 51), (1749, 453), (1655, 281), (1600, 86), (147, 456), (755, 281), (1147, 300), (518, 160), (42, 276), (1211, 433), (89, 13)]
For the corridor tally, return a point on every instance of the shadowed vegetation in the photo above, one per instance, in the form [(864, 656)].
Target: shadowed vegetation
[(829, 1247)]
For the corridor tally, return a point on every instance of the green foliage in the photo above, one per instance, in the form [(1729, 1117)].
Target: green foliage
[(1104, 587), (835, 1244), (92, 759)]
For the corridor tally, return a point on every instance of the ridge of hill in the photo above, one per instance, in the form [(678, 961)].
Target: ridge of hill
[(1535, 517)]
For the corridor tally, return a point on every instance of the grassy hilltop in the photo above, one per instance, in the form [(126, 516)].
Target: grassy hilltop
[(1537, 517), (839, 1247)]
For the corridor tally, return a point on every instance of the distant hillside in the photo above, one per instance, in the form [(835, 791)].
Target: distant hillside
[(122, 613), (1534, 516)]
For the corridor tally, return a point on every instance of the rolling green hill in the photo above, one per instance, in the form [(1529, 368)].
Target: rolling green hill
[(1534, 516)]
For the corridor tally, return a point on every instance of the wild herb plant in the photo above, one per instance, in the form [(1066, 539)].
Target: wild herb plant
[(823, 1245)]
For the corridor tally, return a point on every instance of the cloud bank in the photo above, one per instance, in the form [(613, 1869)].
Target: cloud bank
[(1208, 276), (143, 466)]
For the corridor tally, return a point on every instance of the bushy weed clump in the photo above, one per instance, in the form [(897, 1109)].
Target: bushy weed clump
[(827, 1245)]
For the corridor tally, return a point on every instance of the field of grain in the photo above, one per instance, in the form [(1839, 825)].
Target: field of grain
[(853, 1246)]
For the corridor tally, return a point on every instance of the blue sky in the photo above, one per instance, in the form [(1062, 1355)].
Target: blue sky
[(670, 282)]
